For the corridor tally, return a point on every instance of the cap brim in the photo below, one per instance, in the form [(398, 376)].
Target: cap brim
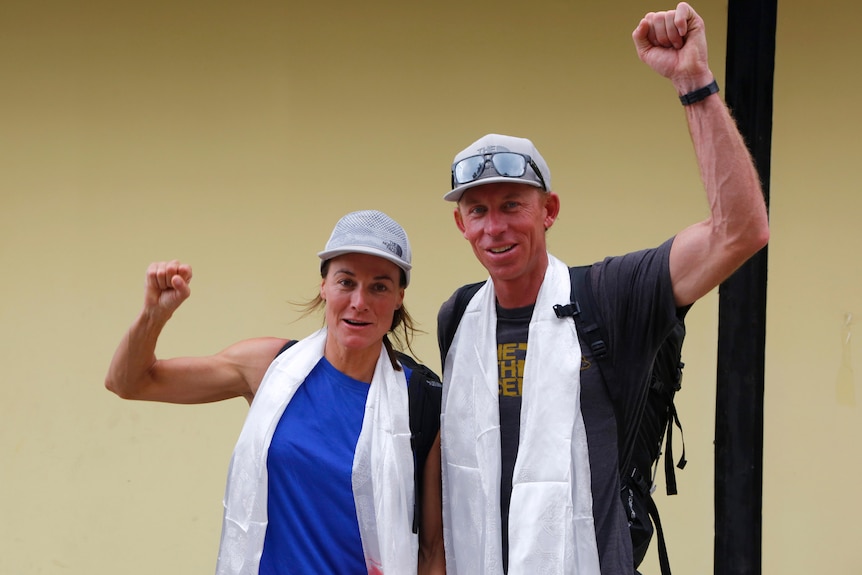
[(455, 194)]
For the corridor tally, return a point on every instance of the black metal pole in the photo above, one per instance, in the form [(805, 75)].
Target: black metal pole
[(742, 308)]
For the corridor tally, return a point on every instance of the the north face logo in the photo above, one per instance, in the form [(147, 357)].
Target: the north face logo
[(493, 149), (393, 247)]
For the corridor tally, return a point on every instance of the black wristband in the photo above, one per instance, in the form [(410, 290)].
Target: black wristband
[(700, 94)]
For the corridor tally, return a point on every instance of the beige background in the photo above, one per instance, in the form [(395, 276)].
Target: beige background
[(233, 135)]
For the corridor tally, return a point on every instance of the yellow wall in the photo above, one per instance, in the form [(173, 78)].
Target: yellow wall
[(233, 135)]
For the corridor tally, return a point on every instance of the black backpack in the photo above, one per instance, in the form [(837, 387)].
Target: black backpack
[(641, 427), (424, 392)]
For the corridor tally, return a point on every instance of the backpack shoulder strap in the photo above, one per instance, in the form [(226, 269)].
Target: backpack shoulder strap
[(586, 316), (588, 320), (286, 346), (425, 393), (585, 312), (446, 332)]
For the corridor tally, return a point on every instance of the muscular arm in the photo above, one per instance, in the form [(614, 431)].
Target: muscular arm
[(431, 556), (706, 253), (703, 255), (136, 373)]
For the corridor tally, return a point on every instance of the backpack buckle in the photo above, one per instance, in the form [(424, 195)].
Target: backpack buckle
[(570, 310), (599, 348)]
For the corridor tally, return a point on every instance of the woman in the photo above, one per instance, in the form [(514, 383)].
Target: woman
[(321, 480)]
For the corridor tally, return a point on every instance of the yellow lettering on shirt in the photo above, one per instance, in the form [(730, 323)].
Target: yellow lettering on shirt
[(510, 363)]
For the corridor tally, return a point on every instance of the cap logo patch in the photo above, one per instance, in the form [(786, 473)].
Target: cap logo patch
[(393, 247), (493, 149)]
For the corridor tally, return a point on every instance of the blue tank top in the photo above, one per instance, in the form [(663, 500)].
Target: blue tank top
[(312, 525)]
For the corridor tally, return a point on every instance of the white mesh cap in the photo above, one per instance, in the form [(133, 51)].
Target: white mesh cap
[(370, 232), (491, 144)]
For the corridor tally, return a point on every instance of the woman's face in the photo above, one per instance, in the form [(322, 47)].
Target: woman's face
[(361, 293)]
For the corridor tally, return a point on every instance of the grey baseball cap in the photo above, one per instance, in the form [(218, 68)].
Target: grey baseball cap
[(370, 232), (492, 144)]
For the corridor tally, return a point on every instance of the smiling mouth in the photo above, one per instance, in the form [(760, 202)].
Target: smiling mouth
[(355, 322), (501, 250)]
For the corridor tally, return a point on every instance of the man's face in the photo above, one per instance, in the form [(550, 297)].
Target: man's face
[(506, 223)]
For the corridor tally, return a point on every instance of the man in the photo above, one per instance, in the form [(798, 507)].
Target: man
[(528, 431)]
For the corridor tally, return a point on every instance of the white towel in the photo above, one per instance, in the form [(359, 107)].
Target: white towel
[(551, 528), (382, 467)]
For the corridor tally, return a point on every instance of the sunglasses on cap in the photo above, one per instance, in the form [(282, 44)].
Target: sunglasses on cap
[(506, 164)]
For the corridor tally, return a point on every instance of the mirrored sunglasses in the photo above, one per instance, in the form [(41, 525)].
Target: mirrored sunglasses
[(506, 164)]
